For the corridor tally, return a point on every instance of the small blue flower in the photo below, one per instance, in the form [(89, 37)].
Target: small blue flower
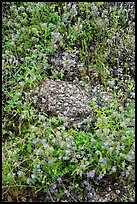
[(100, 177), (59, 180), (9, 22), (49, 162), (51, 190), (107, 20), (89, 155), (44, 145), (89, 187), (67, 151), (31, 181), (12, 43), (113, 169), (90, 174), (127, 173), (110, 148), (42, 162), (54, 186), (95, 7), (65, 158), (39, 179), (117, 151), (33, 176), (78, 155), (65, 112), (44, 25), (73, 6), (30, 156), (123, 174), (85, 182)]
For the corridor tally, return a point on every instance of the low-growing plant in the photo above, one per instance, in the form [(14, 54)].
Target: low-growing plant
[(38, 153), (50, 154)]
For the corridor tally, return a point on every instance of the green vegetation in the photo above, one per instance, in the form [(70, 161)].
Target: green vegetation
[(38, 153)]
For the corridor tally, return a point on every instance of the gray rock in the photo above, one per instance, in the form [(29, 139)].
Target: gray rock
[(63, 99)]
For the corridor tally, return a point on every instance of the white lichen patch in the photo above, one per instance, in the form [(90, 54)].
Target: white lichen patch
[(56, 96)]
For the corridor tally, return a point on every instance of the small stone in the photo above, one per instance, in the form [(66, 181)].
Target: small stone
[(111, 84), (131, 200), (23, 199), (108, 189), (132, 95), (91, 194), (104, 200), (117, 191)]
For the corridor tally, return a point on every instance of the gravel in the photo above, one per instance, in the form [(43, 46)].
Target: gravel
[(107, 190)]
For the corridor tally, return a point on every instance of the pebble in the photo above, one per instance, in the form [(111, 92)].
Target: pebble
[(111, 84), (108, 189), (91, 194), (105, 200), (133, 95), (117, 191), (23, 199)]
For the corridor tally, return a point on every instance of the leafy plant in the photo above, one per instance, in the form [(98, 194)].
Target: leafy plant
[(38, 153)]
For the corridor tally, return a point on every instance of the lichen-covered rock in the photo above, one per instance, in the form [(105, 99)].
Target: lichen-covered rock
[(63, 99)]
